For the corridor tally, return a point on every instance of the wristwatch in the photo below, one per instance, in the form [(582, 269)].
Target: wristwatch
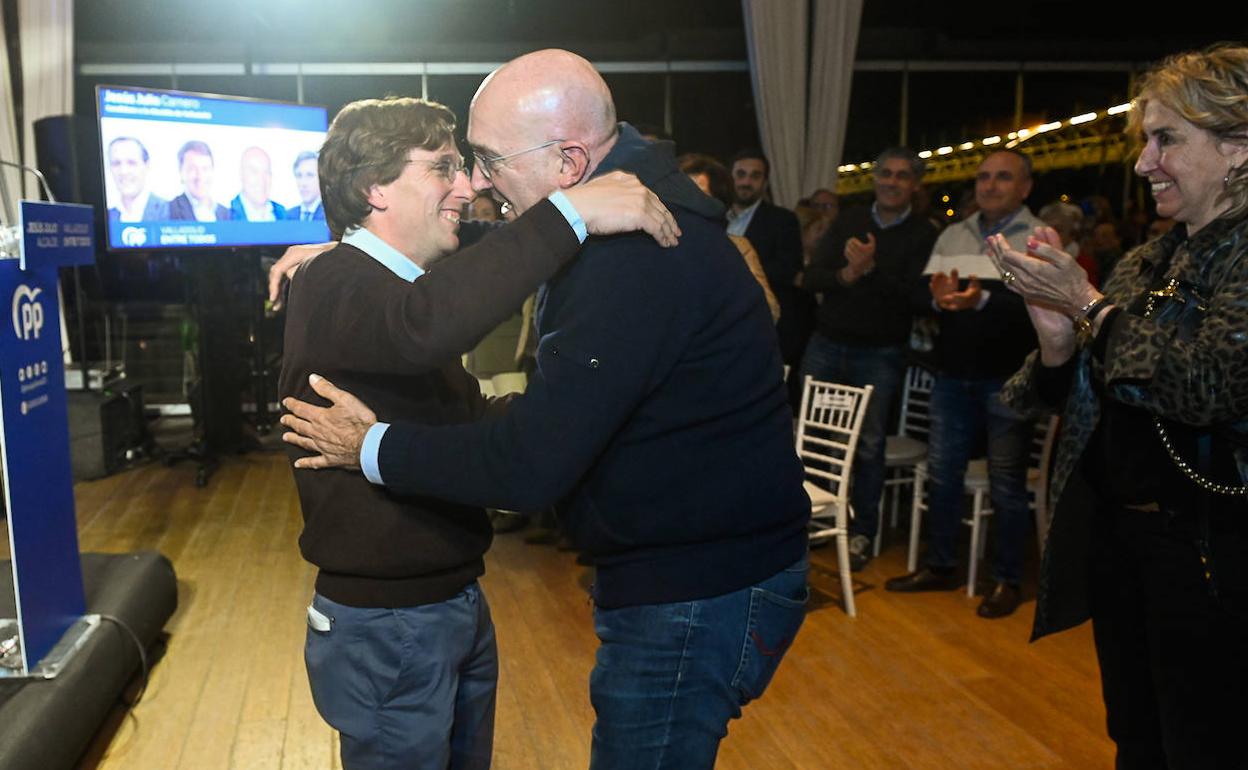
[(1084, 316)]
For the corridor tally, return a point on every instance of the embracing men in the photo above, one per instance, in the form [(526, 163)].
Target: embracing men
[(656, 419)]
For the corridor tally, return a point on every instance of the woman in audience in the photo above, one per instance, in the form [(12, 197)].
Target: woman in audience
[(1150, 533), (814, 225), (1067, 220), (713, 179)]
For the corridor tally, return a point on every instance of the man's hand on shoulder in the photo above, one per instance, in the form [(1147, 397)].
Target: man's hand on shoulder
[(285, 268), (618, 203), (335, 432)]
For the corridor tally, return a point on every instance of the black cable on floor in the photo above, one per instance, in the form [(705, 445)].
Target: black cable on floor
[(142, 658)]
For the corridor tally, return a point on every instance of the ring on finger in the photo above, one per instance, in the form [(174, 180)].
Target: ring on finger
[(1008, 277)]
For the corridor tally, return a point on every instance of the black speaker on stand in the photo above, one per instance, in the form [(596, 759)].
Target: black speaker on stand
[(107, 426), (56, 155)]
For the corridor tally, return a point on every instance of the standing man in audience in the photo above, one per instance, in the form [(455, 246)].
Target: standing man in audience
[(984, 336), (400, 651), (128, 162), (308, 182), (253, 204), (196, 167), (866, 268), (655, 417), (777, 237)]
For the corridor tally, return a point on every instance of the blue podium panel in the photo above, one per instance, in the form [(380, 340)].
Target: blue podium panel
[(61, 234), (34, 445)]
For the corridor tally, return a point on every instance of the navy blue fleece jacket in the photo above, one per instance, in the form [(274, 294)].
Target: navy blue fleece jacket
[(656, 418)]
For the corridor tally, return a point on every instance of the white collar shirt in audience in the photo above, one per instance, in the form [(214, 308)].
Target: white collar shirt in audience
[(739, 223)]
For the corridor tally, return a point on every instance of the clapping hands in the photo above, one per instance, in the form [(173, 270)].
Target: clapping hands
[(945, 294)]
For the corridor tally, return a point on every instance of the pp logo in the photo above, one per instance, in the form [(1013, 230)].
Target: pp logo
[(27, 313), (134, 236)]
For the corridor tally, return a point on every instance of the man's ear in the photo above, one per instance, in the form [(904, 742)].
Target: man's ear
[(376, 198), (574, 163)]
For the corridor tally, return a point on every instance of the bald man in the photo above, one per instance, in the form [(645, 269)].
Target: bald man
[(255, 175), (656, 420)]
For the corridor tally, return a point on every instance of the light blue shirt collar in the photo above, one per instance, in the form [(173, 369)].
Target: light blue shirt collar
[(1006, 221), (392, 258), (403, 267), (739, 223)]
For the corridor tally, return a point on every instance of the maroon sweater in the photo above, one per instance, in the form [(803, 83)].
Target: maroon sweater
[(375, 548)]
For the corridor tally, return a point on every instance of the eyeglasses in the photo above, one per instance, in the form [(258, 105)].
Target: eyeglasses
[(901, 175), (447, 168), (488, 163)]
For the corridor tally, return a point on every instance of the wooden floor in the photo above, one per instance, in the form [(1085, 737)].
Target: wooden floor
[(915, 681)]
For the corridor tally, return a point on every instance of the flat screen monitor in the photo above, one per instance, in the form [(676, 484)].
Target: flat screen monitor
[(202, 171)]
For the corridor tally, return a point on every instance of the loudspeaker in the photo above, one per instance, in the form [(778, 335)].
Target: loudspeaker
[(102, 428), (56, 155)]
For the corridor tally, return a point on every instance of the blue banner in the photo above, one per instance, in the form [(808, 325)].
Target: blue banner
[(176, 235), (181, 107), (34, 444), (57, 234)]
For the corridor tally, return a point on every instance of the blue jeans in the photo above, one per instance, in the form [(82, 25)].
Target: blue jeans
[(412, 687), (961, 411), (669, 677), (885, 368)]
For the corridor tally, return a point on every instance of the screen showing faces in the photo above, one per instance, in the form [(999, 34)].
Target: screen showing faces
[(185, 170)]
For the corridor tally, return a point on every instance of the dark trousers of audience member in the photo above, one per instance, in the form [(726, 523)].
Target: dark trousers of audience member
[(407, 686), (793, 331), (883, 367), (1173, 652), (669, 677), (961, 411)]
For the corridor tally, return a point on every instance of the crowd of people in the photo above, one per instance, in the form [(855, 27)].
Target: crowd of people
[(658, 423)]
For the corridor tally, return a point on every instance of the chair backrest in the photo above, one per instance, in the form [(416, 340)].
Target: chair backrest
[(827, 431), (915, 419), (1042, 440), (509, 382), (1043, 447)]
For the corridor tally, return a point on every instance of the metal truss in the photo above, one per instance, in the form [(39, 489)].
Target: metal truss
[(1052, 146)]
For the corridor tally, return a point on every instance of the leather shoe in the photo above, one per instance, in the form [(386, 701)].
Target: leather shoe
[(926, 579), (1002, 601)]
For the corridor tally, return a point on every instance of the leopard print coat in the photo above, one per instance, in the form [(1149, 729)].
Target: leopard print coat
[(1201, 380)]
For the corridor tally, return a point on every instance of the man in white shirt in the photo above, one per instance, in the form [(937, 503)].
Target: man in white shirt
[(775, 234), (196, 167), (308, 181), (252, 203), (128, 162)]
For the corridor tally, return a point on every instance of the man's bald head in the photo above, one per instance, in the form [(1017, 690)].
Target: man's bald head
[(539, 123), (550, 94), (256, 176)]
